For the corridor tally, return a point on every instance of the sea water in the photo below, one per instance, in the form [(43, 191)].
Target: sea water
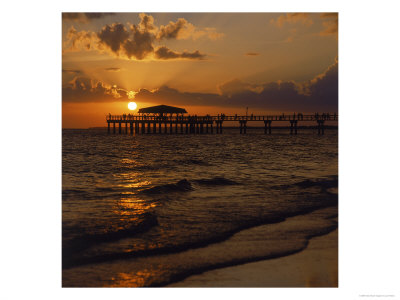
[(152, 209)]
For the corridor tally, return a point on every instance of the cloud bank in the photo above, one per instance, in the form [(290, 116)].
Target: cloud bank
[(81, 89), (318, 94)]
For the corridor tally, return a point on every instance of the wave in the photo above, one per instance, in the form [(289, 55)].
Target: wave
[(216, 237), (266, 245), (181, 186), (185, 185), (191, 161), (321, 182), (216, 181), (326, 184), (73, 247), (181, 275)]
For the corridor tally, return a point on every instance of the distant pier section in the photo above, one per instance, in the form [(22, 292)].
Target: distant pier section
[(168, 119)]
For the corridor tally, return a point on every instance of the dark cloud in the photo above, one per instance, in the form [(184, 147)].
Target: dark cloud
[(113, 36), (236, 86), (165, 53), (141, 44), (168, 95), (138, 41), (73, 72), (112, 69), (252, 54), (84, 17)]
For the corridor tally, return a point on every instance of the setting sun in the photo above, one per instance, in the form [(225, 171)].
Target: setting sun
[(132, 105)]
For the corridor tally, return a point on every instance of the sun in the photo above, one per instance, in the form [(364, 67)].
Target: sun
[(132, 105)]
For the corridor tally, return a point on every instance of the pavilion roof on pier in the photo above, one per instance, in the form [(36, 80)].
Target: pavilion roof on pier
[(162, 109)]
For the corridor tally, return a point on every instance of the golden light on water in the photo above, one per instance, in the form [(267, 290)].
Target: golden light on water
[(132, 105)]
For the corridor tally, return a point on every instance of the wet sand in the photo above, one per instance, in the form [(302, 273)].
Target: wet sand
[(316, 266)]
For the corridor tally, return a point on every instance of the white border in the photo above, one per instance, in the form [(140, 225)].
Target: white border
[(31, 156)]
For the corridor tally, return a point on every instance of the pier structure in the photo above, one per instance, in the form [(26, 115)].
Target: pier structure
[(165, 119)]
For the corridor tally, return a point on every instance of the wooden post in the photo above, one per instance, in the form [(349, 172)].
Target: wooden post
[(148, 127), (244, 126), (269, 125), (143, 127), (170, 126), (241, 127), (114, 127), (295, 127), (131, 127), (211, 126), (187, 129), (119, 127), (126, 127)]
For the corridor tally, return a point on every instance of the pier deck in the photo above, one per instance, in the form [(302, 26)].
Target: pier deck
[(142, 124)]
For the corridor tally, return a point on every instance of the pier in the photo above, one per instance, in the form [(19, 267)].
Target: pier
[(170, 120)]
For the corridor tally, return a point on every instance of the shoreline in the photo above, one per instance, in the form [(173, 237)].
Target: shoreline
[(315, 266)]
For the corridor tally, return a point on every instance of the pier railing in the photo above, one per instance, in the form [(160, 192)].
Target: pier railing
[(174, 118)]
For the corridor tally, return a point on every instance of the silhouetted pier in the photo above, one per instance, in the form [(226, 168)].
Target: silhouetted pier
[(183, 124)]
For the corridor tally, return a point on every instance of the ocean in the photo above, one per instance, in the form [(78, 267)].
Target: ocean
[(153, 209)]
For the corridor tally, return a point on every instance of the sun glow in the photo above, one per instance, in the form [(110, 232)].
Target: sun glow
[(132, 105)]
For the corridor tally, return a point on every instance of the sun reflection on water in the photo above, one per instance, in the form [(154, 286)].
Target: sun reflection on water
[(133, 206), (137, 279)]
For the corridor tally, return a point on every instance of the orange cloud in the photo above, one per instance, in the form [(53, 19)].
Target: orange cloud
[(182, 30), (292, 18), (331, 25)]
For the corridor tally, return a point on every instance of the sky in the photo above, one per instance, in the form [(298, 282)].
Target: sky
[(207, 63)]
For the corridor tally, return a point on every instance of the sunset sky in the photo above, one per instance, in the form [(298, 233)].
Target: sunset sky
[(207, 63)]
